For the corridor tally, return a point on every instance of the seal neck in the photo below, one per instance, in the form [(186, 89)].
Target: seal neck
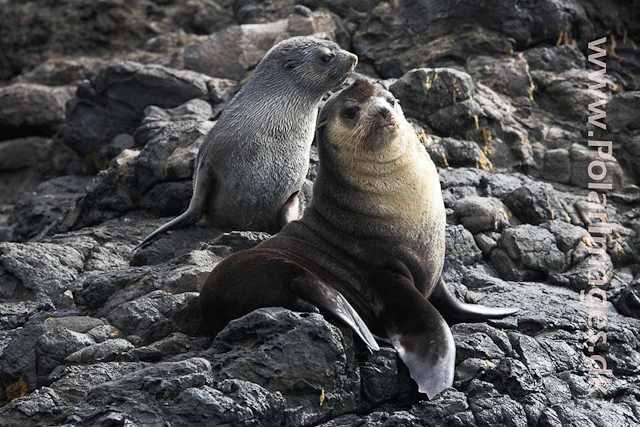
[(282, 109)]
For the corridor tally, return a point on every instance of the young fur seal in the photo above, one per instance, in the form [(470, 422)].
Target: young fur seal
[(369, 249), (252, 164)]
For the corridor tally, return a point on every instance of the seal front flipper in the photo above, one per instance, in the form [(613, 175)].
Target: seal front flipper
[(313, 290), (453, 309), (290, 209), (417, 331), (202, 187)]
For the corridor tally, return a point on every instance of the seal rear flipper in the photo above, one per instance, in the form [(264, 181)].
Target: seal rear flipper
[(192, 215), (420, 335), (453, 309), (311, 289)]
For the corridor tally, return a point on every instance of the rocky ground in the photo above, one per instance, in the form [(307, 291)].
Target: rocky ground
[(103, 106)]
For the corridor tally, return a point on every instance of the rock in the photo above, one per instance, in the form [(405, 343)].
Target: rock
[(106, 351), (535, 203), (32, 109), (424, 91), (556, 58), (628, 302), (527, 252), (581, 157), (113, 101), (171, 138), (491, 408), (148, 319), (53, 347), (506, 75), (499, 185), (39, 215), (385, 378), (232, 402), (62, 71), (227, 243), (26, 162), (106, 29), (232, 52), (483, 214), (566, 95), (557, 165), (460, 245), (452, 152), (301, 376), (39, 271)]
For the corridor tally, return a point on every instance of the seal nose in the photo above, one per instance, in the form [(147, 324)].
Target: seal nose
[(384, 112)]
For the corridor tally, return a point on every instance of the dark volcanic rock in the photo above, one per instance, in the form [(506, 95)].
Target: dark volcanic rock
[(113, 101), (234, 51), (32, 109), (302, 377)]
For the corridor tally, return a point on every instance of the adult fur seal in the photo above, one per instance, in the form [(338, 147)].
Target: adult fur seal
[(369, 249), (252, 164)]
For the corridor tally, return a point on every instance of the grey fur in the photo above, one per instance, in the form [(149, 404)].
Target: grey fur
[(257, 155)]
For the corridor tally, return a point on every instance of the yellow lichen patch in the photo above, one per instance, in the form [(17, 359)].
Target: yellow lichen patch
[(560, 37), (113, 334), (444, 158), (624, 36), (424, 138), (531, 88), (484, 163), (47, 319), (486, 150), (15, 390), (322, 397), (553, 214), (617, 235), (613, 45), (486, 135), (620, 249), (504, 214), (475, 119), (428, 82), (586, 241), (565, 39)]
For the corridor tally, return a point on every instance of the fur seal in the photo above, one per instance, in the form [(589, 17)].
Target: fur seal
[(369, 249), (253, 162)]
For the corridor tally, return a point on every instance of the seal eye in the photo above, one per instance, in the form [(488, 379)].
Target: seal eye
[(391, 101), (351, 112), (326, 58)]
